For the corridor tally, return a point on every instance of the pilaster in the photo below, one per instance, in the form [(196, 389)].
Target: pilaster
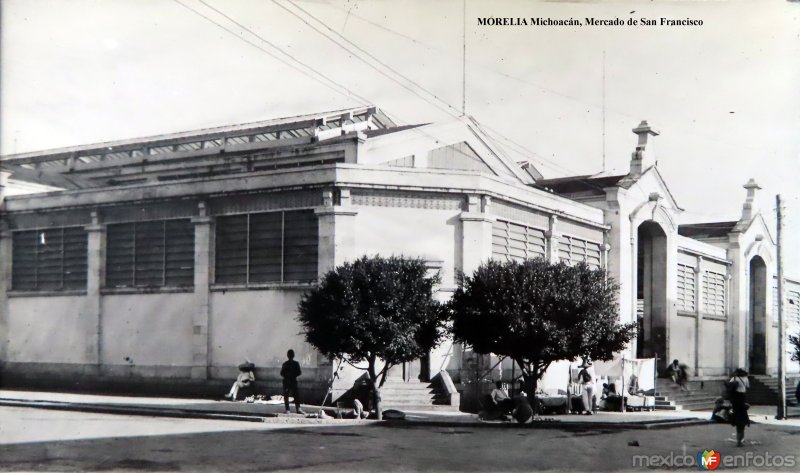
[(203, 244), (739, 290), (337, 230), (698, 323), (95, 275), (552, 236), (476, 233), (5, 286)]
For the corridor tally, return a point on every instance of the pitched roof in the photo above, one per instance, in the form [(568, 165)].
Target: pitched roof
[(576, 184), (211, 151), (394, 129), (706, 229)]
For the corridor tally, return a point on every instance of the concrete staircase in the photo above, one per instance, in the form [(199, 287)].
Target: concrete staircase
[(701, 395), (413, 395), (764, 390)]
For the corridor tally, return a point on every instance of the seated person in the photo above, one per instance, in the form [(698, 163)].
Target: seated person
[(500, 398), (722, 411), (610, 400), (523, 412), (244, 380), (358, 411)]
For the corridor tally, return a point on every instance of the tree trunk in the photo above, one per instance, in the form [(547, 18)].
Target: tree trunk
[(376, 400), (376, 395), (530, 374), (534, 388)]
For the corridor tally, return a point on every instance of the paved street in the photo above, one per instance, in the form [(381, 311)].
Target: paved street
[(35, 439)]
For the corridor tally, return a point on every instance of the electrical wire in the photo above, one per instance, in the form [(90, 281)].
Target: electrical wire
[(684, 128), (371, 56), (447, 108), (349, 93), (355, 55)]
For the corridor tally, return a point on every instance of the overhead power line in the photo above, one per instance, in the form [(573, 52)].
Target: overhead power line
[(336, 87), (685, 128), (452, 111), (524, 150), (442, 105)]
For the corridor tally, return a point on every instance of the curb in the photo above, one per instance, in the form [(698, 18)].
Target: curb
[(638, 425), (135, 410), (123, 409)]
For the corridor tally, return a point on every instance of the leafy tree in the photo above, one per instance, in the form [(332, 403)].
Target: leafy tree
[(374, 310), (536, 312)]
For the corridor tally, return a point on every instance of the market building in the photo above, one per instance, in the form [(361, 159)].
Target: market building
[(161, 263)]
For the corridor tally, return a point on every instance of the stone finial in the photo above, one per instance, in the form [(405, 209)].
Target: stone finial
[(637, 157), (747, 208)]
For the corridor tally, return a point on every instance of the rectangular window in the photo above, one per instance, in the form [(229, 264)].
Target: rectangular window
[(792, 308), (775, 302), (51, 259), (158, 253), (714, 297), (269, 247), (686, 288), (572, 250), (511, 241)]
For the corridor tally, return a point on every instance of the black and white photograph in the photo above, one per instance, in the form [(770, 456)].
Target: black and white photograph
[(373, 235)]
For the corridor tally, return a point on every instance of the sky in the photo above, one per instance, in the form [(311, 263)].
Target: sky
[(724, 94)]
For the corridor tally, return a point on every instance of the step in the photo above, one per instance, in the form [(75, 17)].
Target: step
[(395, 387), (667, 408), (408, 398), (421, 407), (410, 384)]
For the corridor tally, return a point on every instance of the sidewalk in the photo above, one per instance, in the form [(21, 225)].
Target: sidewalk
[(273, 413)]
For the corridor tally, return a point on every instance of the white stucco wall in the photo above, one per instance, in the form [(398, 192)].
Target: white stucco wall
[(148, 329), (712, 348), (46, 330), (426, 233), (259, 325)]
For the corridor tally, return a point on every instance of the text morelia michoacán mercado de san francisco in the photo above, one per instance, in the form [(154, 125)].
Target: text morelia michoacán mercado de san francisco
[(539, 21)]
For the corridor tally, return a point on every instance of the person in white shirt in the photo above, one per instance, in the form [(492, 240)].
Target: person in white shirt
[(737, 391), (586, 378), (245, 379), (501, 399)]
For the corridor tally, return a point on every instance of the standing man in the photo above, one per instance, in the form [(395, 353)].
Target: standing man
[(290, 371), (586, 378)]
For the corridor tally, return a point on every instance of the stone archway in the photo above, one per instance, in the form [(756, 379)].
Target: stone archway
[(651, 292), (757, 317)]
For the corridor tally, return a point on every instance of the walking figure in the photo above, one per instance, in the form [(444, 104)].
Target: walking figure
[(290, 371), (737, 392)]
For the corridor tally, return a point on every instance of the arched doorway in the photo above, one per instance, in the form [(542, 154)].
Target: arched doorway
[(757, 323), (651, 292)]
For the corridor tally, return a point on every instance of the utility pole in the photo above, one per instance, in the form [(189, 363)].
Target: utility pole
[(781, 414), (464, 59), (604, 110)]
